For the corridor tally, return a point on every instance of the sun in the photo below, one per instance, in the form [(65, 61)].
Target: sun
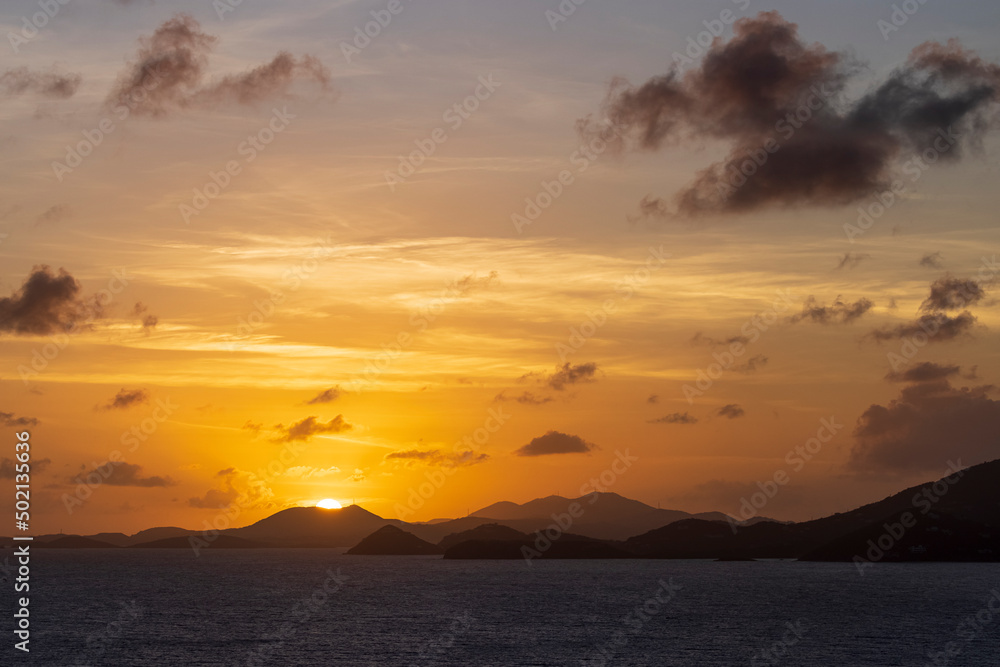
[(329, 504)]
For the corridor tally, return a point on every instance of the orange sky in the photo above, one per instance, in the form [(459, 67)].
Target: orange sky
[(427, 316)]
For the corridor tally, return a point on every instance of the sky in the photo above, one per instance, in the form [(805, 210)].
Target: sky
[(253, 257)]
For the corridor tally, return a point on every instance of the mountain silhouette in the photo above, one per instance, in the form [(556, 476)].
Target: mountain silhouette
[(393, 541)]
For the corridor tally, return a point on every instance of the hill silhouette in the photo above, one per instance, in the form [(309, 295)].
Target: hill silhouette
[(393, 541)]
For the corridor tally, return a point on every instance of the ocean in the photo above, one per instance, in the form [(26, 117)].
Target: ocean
[(320, 607)]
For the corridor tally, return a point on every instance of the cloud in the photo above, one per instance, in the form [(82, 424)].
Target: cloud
[(435, 457), (937, 327), (170, 67), (358, 475), (952, 294), (932, 260), (21, 80), (555, 442), (852, 259), (147, 320), (701, 339), (125, 399), (472, 282), (929, 424), (8, 467), (308, 472), (653, 399), (765, 87), (309, 427), (731, 411), (47, 303), (839, 312), (752, 364), (571, 374), (237, 487), (53, 214), (525, 398), (129, 474), (325, 396), (9, 419), (253, 427), (926, 371), (675, 418)]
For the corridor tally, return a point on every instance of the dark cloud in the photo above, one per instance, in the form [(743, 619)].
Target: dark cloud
[(47, 303), (701, 339), (147, 320), (929, 424), (170, 68), (435, 457), (555, 442), (253, 427), (932, 260), (8, 467), (752, 364), (564, 375), (472, 282), (125, 399), (731, 411), (779, 104), (653, 399), (309, 427), (325, 396), (839, 312), (675, 418), (852, 259), (938, 327), (53, 214), (524, 398), (129, 474), (21, 80), (953, 294), (9, 419), (926, 371)]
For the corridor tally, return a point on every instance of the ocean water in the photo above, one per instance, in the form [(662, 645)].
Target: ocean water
[(319, 607)]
